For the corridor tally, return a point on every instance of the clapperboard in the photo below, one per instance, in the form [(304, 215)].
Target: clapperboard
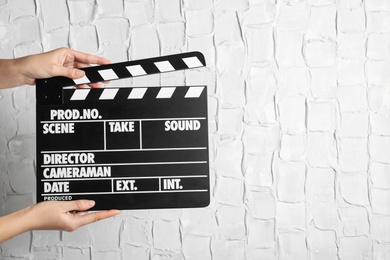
[(125, 148)]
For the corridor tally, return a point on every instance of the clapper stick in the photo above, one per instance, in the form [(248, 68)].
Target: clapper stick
[(49, 91), (125, 148)]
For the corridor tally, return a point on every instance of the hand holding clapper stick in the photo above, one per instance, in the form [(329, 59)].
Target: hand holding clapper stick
[(49, 215)]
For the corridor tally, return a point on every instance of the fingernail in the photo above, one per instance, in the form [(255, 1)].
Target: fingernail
[(118, 212), (91, 203), (80, 73)]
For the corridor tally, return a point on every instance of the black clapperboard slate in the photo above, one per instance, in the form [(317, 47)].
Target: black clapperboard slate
[(125, 148)]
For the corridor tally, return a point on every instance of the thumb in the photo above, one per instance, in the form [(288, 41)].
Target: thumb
[(79, 205), (68, 72)]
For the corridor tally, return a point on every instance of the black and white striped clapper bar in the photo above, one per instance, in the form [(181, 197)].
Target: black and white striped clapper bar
[(125, 148)]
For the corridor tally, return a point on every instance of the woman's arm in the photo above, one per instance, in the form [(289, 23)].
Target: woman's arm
[(61, 62), (12, 225), (51, 215)]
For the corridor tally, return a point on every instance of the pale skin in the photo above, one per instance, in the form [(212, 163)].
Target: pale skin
[(49, 215), (61, 62)]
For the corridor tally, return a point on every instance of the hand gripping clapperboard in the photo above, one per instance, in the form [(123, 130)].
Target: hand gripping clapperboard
[(125, 148)]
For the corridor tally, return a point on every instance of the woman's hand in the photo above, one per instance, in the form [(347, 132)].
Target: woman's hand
[(64, 215), (60, 62), (51, 215)]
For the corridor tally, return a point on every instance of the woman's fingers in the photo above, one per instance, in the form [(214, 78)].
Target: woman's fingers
[(72, 73), (96, 216), (78, 205), (95, 85), (92, 85), (88, 58)]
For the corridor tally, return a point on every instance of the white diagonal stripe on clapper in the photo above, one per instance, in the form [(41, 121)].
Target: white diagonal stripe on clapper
[(108, 74), (83, 80), (80, 94), (136, 70), (108, 93), (194, 92), (192, 62), (164, 66), (166, 92), (137, 93)]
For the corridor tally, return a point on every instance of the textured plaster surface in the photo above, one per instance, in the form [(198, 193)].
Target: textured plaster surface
[(299, 116)]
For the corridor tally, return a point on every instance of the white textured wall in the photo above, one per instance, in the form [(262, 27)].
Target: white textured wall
[(299, 108)]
